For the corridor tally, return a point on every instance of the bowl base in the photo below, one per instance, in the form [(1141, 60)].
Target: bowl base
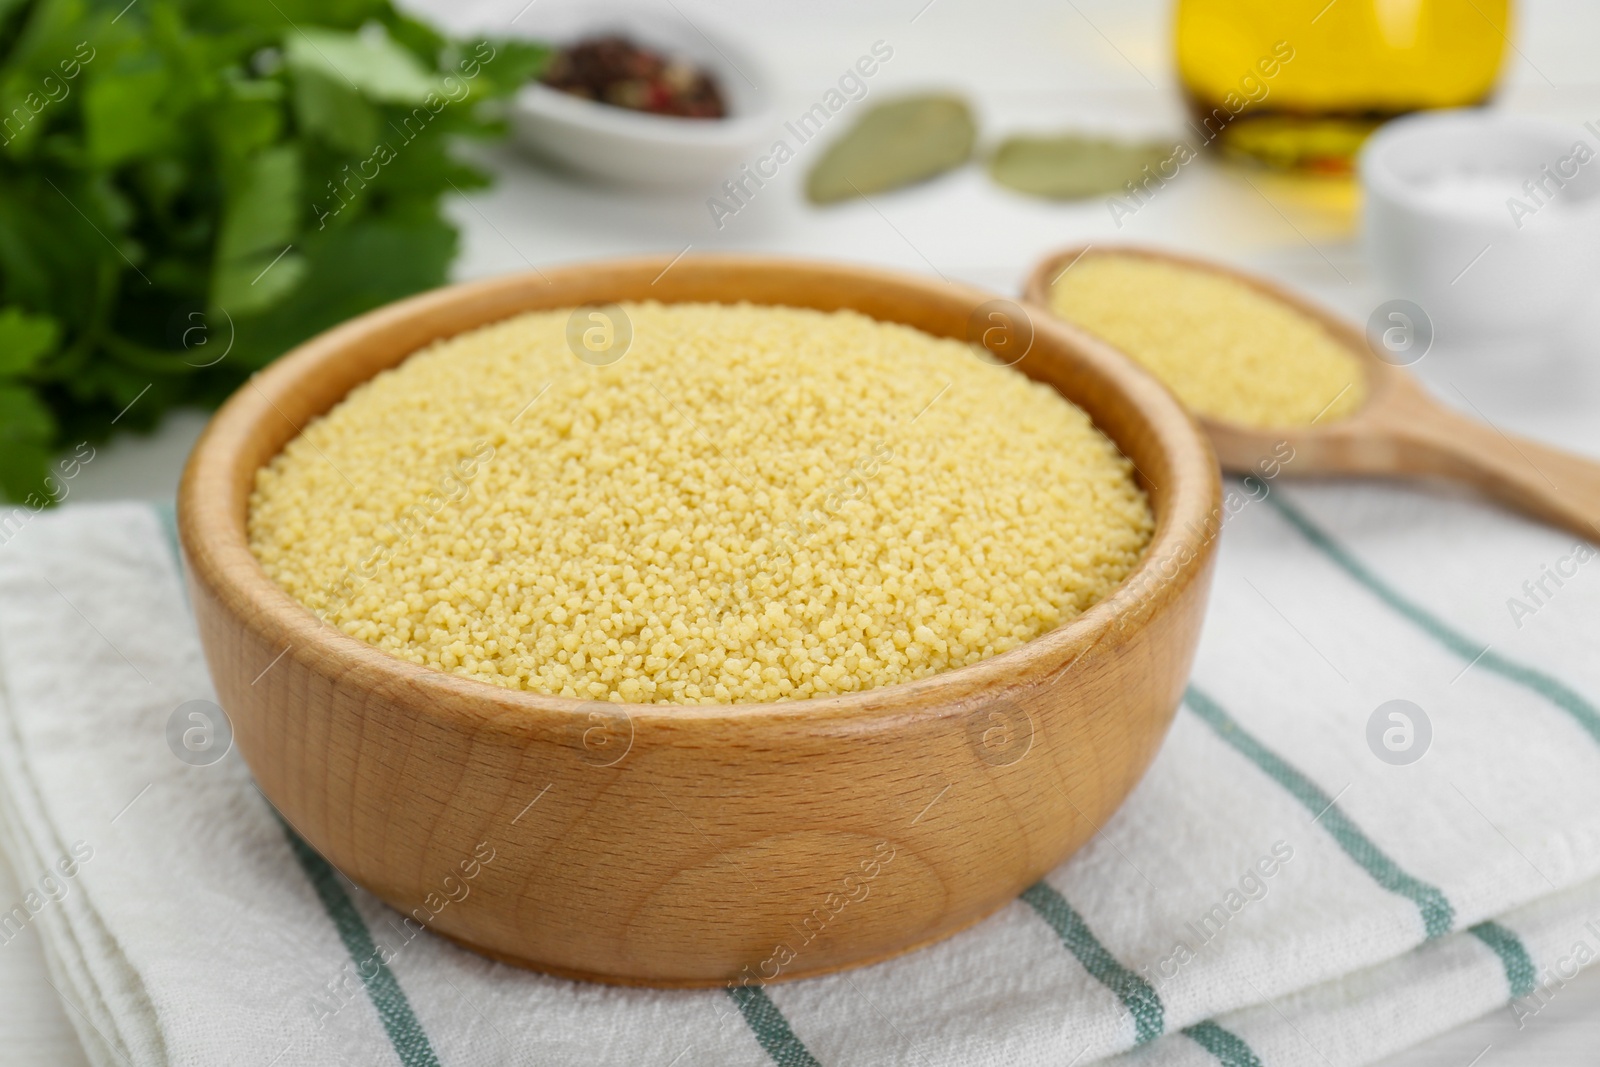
[(575, 975)]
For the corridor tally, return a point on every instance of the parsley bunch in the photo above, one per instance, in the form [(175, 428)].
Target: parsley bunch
[(190, 187)]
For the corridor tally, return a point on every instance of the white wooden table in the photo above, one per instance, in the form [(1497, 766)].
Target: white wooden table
[(1026, 64)]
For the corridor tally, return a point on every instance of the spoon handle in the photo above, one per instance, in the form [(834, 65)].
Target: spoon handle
[(1547, 483)]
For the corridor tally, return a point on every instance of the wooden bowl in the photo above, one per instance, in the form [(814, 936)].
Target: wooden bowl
[(684, 846)]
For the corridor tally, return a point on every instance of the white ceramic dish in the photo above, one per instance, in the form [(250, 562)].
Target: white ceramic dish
[(630, 147), (1461, 216)]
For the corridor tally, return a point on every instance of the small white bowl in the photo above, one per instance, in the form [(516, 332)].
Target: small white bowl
[(634, 148), (1449, 222)]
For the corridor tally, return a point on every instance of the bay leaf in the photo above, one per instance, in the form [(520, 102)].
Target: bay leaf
[(1071, 167), (894, 144)]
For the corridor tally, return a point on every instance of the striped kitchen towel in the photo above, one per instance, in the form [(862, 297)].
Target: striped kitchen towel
[(1376, 816)]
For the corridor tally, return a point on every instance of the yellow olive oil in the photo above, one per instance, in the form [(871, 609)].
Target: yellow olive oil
[(1300, 83)]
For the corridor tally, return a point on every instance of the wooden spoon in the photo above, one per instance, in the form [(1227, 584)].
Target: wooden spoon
[(1401, 431)]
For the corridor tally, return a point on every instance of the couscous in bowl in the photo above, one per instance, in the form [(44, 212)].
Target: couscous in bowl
[(687, 844)]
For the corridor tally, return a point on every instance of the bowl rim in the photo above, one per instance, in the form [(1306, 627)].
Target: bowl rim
[(734, 59), (642, 127), (1466, 125), (214, 539)]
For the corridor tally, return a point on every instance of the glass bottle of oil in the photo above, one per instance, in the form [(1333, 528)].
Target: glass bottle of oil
[(1300, 83)]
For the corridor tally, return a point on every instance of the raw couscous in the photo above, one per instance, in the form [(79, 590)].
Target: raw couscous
[(1225, 349), (755, 504)]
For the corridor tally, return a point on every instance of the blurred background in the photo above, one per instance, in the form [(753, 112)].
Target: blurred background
[(1082, 68), (188, 189)]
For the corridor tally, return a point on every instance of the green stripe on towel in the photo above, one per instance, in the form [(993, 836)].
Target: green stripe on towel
[(399, 1021), (1229, 1049), (1137, 995), (770, 1027), (1552, 689), (410, 1041), (1520, 975), (1437, 914), (167, 516)]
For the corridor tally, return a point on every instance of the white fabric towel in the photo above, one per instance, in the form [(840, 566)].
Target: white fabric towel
[(1283, 888)]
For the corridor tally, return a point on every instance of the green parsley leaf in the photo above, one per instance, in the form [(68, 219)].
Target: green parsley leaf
[(370, 64), (188, 190), (24, 338)]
